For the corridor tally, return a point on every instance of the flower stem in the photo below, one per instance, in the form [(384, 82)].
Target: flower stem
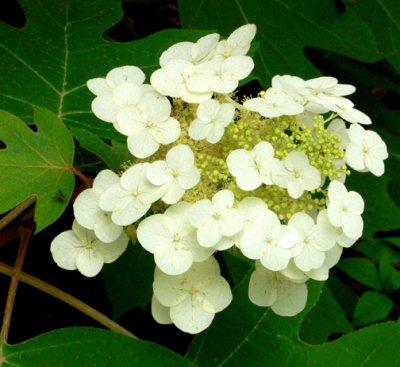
[(17, 211), (234, 103), (88, 181), (68, 299), (26, 231)]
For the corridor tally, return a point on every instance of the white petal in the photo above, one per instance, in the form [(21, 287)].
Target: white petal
[(173, 260), (217, 295), (190, 318), (105, 229), (99, 86), (86, 208), (105, 108), (89, 262), (159, 312), (168, 289), (126, 94), (142, 144), (112, 251), (65, 248), (291, 298), (104, 180), (126, 74), (262, 288), (166, 132)]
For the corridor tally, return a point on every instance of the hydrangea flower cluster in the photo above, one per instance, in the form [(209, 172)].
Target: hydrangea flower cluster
[(266, 177)]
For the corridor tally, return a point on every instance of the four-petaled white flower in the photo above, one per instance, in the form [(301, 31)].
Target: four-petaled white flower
[(175, 175), (345, 209), (296, 174), (147, 125), (366, 150), (88, 212), (132, 197), (253, 168), (216, 218), (286, 297), (121, 87), (238, 43), (312, 242), (193, 298), (80, 249), (212, 118), (274, 103), (172, 240), (270, 242)]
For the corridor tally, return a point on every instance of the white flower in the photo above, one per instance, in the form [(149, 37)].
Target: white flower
[(320, 88), (296, 174), (345, 109), (171, 80), (121, 87), (80, 249), (88, 213), (366, 151), (253, 168), (147, 125), (172, 240), (293, 86), (220, 75), (332, 257), (312, 243), (254, 211), (331, 231), (270, 242), (274, 103), (345, 209), (212, 118), (216, 218), (175, 175), (273, 289), (195, 53), (238, 43), (193, 297), (132, 197)]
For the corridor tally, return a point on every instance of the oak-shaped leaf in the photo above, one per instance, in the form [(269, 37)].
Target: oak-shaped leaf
[(36, 163)]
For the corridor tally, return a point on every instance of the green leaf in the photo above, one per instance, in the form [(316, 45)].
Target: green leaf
[(89, 347), (284, 29), (342, 294), (384, 19), (129, 280), (48, 62), (380, 213), (113, 154), (389, 271), (362, 270), (36, 163), (248, 335), (372, 307), (324, 320)]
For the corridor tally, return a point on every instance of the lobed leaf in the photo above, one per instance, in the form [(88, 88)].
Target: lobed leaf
[(36, 163), (89, 347), (285, 28)]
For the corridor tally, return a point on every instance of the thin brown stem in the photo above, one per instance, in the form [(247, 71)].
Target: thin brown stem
[(26, 232), (14, 213), (68, 299), (88, 181)]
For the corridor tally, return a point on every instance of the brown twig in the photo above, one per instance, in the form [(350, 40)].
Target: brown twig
[(14, 213), (26, 231), (68, 299), (88, 181)]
